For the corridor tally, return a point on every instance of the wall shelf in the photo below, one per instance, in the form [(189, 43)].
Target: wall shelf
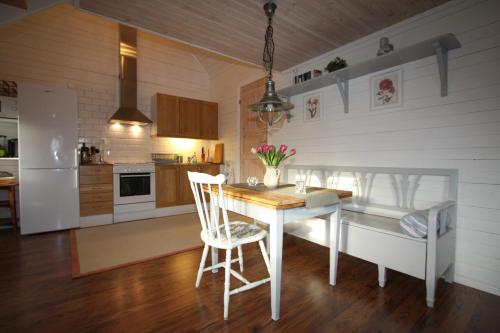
[(438, 46)]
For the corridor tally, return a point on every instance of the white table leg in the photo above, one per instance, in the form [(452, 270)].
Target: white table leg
[(260, 224), (276, 247), (215, 251), (381, 276), (335, 220)]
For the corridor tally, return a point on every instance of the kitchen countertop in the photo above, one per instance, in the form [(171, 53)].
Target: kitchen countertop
[(168, 163), (95, 164), (155, 162)]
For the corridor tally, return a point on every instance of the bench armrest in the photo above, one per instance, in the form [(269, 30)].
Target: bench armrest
[(434, 213)]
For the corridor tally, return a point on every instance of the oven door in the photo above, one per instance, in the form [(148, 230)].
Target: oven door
[(129, 188)]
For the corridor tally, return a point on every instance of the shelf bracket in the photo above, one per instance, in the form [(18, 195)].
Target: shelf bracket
[(343, 85), (442, 62)]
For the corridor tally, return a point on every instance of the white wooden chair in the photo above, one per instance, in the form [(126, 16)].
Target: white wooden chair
[(225, 236)]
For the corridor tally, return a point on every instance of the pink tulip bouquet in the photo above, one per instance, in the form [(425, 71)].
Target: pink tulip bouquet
[(271, 156)]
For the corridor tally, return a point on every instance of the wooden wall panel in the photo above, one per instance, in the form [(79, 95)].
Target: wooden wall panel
[(252, 131)]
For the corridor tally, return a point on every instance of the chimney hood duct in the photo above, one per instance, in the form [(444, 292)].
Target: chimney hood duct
[(128, 113)]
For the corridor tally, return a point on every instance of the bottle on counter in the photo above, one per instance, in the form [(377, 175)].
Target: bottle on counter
[(84, 154), (192, 159), (202, 154)]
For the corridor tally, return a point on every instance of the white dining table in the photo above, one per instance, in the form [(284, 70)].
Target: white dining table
[(276, 210)]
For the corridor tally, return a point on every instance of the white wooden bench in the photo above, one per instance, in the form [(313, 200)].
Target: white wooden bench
[(370, 227)]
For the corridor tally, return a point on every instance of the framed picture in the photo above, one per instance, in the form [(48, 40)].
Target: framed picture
[(312, 107), (8, 88), (386, 90)]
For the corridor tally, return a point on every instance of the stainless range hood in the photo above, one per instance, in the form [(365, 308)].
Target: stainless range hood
[(128, 113)]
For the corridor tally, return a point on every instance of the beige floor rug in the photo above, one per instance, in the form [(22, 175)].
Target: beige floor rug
[(112, 246)]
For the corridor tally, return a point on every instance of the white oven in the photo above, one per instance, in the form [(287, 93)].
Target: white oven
[(134, 191)]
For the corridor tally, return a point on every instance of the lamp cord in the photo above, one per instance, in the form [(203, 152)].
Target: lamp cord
[(268, 53)]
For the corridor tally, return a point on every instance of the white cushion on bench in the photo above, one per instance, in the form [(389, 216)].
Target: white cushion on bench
[(415, 224)]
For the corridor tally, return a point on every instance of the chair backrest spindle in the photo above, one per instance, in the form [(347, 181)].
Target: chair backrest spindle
[(200, 184)]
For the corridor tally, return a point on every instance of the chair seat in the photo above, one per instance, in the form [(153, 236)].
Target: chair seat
[(241, 233)]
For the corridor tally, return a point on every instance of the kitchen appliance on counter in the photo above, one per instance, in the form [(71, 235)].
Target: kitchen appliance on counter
[(167, 158), (48, 160), (134, 191), (84, 154), (13, 148), (3, 145), (90, 154)]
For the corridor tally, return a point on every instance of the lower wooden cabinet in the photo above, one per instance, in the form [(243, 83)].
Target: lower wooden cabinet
[(167, 184), (211, 169), (96, 189), (185, 193), (172, 183)]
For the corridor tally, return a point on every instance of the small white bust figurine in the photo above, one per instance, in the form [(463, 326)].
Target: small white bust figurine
[(385, 46)]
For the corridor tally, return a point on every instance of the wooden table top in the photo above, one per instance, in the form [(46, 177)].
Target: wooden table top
[(273, 200), (4, 182)]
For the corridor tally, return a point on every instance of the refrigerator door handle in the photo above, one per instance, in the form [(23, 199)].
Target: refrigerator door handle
[(76, 180), (76, 157)]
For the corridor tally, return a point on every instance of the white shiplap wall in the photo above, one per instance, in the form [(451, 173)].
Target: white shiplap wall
[(459, 131), (83, 56)]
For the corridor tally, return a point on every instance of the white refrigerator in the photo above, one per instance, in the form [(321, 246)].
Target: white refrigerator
[(48, 158)]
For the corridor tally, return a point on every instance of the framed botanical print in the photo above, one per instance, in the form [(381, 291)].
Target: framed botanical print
[(386, 90), (312, 107)]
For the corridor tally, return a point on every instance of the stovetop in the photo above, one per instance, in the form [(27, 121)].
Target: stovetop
[(134, 162)]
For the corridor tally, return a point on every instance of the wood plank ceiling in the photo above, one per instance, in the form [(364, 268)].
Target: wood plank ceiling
[(303, 29)]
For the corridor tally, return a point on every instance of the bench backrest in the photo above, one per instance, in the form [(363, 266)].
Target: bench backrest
[(382, 191)]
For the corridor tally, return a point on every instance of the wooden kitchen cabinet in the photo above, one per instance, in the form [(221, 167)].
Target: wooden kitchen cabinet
[(189, 117), (211, 169), (96, 189), (167, 180), (172, 183), (185, 193), (166, 117), (209, 120), (182, 117)]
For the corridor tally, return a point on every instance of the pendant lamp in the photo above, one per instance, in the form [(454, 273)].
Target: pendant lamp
[(271, 108)]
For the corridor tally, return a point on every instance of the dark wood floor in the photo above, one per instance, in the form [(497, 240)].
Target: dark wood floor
[(37, 294)]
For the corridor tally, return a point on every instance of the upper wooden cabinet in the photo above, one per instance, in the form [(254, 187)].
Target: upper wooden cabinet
[(189, 117), (209, 120), (184, 118), (166, 117)]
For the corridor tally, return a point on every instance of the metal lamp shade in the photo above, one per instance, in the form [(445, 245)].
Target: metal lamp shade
[(271, 108)]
